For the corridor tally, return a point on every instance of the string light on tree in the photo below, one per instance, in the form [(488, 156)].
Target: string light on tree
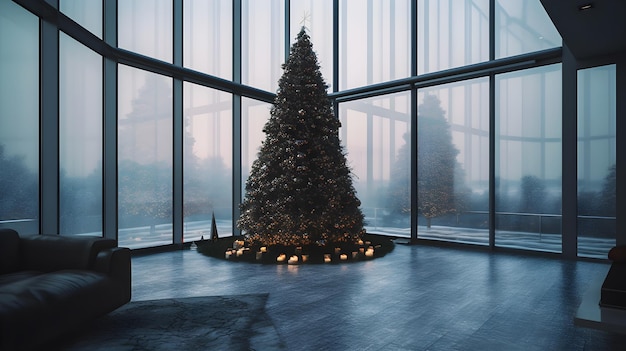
[(300, 188)]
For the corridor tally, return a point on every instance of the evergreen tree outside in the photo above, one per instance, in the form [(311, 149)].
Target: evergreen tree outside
[(300, 189), (437, 168), (436, 157)]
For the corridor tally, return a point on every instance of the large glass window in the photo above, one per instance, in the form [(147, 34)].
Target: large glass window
[(528, 159), (145, 158), (375, 133), (87, 13), (80, 138), (523, 26), (374, 41), (207, 37), (596, 160), (145, 27), (317, 17), (207, 167), (452, 33), (263, 52), (453, 162), (19, 122)]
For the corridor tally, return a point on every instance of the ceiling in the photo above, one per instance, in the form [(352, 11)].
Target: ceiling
[(597, 31)]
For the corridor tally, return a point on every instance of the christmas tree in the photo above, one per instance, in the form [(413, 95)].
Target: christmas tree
[(300, 190)]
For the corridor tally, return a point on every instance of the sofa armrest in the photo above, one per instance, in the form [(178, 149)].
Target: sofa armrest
[(48, 253), (116, 263)]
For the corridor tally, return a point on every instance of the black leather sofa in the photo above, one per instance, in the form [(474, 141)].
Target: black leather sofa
[(51, 285), (613, 292)]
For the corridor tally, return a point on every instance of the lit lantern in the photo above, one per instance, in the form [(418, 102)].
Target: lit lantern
[(326, 258), (343, 257)]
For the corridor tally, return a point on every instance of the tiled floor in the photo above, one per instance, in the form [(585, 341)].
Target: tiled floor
[(416, 298)]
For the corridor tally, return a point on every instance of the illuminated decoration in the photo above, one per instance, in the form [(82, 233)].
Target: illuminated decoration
[(300, 206), (300, 190)]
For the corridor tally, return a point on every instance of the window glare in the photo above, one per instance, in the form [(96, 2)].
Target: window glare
[(19, 125)]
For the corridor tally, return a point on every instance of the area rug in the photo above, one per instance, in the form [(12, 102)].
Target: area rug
[(195, 323)]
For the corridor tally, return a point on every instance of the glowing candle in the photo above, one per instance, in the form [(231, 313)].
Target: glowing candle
[(293, 260), (263, 249), (227, 254), (354, 254), (305, 258), (343, 257), (326, 258), (259, 255), (369, 252), (281, 258)]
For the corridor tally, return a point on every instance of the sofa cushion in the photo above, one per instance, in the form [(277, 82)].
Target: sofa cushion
[(13, 277), (49, 253), (9, 250), (51, 304)]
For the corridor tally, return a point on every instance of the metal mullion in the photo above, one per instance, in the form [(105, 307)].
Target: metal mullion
[(492, 127), (177, 128), (49, 127), (237, 192), (569, 185)]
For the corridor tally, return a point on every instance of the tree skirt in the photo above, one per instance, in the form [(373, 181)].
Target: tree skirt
[(195, 323)]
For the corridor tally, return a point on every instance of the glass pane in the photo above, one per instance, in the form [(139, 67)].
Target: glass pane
[(596, 161), (208, 154), (207, 37), (262, 43), (254, 115), (145, 27), (453, 162), (451, 33), (528, 159), (80, 138), (144, 158), (317, 17), (374, 42), (375, 133), (19, 125), (523, 26), (87, 13)]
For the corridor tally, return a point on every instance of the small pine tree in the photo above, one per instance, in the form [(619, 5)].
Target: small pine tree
[(300, 188)]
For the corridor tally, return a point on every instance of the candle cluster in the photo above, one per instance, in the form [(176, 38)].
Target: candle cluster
[(337, 252)]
